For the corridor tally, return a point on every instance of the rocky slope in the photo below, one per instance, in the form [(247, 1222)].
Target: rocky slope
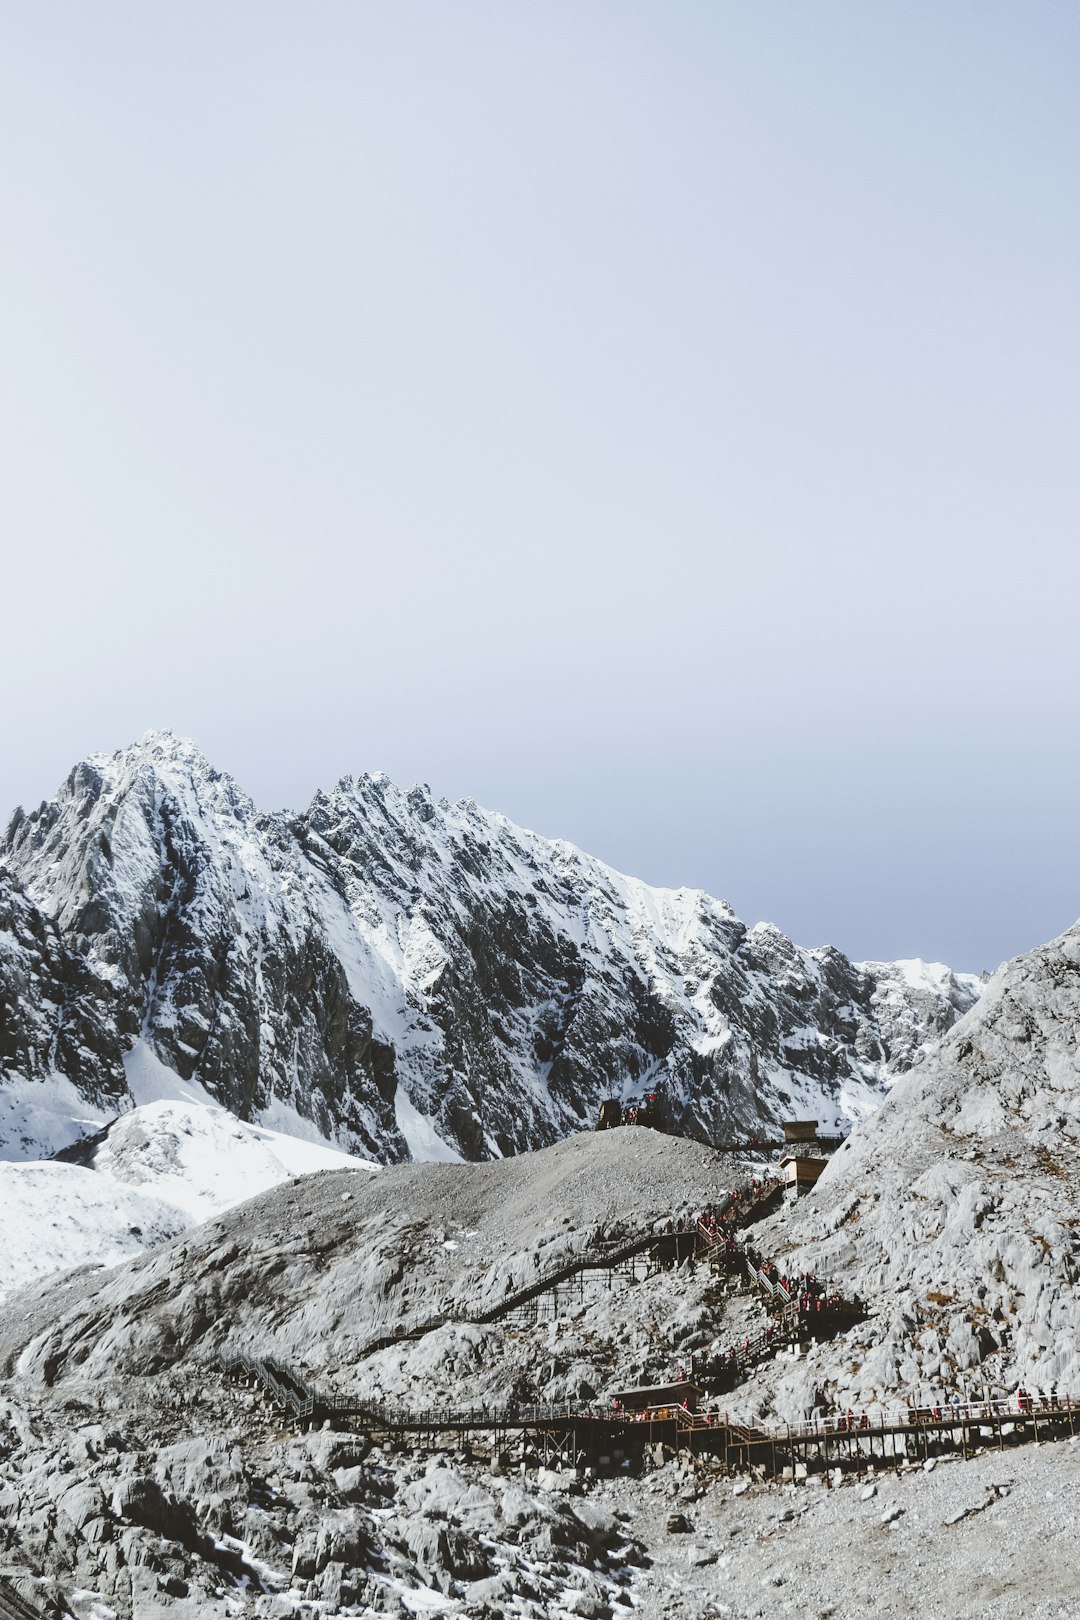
[(953, 1210), (411, 978), (134, 1478)]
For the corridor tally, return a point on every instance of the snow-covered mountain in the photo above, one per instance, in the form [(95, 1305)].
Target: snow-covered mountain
[(404, 977)]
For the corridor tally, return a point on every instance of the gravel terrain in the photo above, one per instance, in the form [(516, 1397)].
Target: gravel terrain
[(994, 1538)]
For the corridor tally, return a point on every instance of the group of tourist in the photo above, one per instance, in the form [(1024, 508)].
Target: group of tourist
[(804, 1296), (718, 1218), (1027, 1402)]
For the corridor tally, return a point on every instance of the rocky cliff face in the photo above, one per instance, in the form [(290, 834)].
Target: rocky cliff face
[(411, 977), (60, 1041), (953, 1210)]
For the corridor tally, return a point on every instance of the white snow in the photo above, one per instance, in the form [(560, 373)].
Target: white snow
[(204, 1160), (39, 1117), (935, 977), (149, 1080), (55, 1216), (423, 1141), (166, 1165)]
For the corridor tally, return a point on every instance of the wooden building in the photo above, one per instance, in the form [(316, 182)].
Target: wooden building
[(803, 1156)]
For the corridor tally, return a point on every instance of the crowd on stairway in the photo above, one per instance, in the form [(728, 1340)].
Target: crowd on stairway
[(804, 1300)]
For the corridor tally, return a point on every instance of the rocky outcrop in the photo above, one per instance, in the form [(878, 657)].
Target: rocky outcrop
[(61, 1039), (199, 1507), (414, 977), (953, 1208)]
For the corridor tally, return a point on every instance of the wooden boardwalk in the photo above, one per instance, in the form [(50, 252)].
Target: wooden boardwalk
[(662, 1246), (570, 1435), (14, 1607)]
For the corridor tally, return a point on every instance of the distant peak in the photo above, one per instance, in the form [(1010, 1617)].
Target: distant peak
[(157, 744), (178, 764)]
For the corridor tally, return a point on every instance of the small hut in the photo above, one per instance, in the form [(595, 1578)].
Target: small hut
[(802, 1159), (800, 1135)]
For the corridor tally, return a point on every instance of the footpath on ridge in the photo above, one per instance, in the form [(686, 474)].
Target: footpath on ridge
[(804, 1309)]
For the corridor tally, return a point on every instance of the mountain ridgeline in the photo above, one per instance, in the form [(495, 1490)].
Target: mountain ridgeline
[(409, 978)]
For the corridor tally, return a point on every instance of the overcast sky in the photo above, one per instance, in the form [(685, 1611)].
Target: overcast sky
[(657, 421)]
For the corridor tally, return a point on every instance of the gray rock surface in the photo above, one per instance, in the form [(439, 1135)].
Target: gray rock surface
[(134, 1477), (953, 1208)]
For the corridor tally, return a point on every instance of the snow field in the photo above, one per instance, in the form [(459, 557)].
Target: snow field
[(165, 1166)]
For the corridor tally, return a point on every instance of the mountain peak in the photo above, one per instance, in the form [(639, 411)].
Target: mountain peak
[(180, 766), (406, 978), (161, 745)]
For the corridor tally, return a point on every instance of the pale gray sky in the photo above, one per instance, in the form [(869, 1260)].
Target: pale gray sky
[(659, 422)]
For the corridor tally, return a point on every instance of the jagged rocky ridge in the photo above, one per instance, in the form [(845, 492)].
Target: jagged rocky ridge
[(411, 978)]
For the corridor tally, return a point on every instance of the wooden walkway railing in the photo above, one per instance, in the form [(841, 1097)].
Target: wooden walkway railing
[(680, 1240), (601, 1258), (806, 1308), (14, 1607), (671, 1242), (892, 1437)]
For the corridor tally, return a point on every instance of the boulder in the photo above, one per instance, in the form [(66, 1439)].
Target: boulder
[(82, 1503), (141, 1500)]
